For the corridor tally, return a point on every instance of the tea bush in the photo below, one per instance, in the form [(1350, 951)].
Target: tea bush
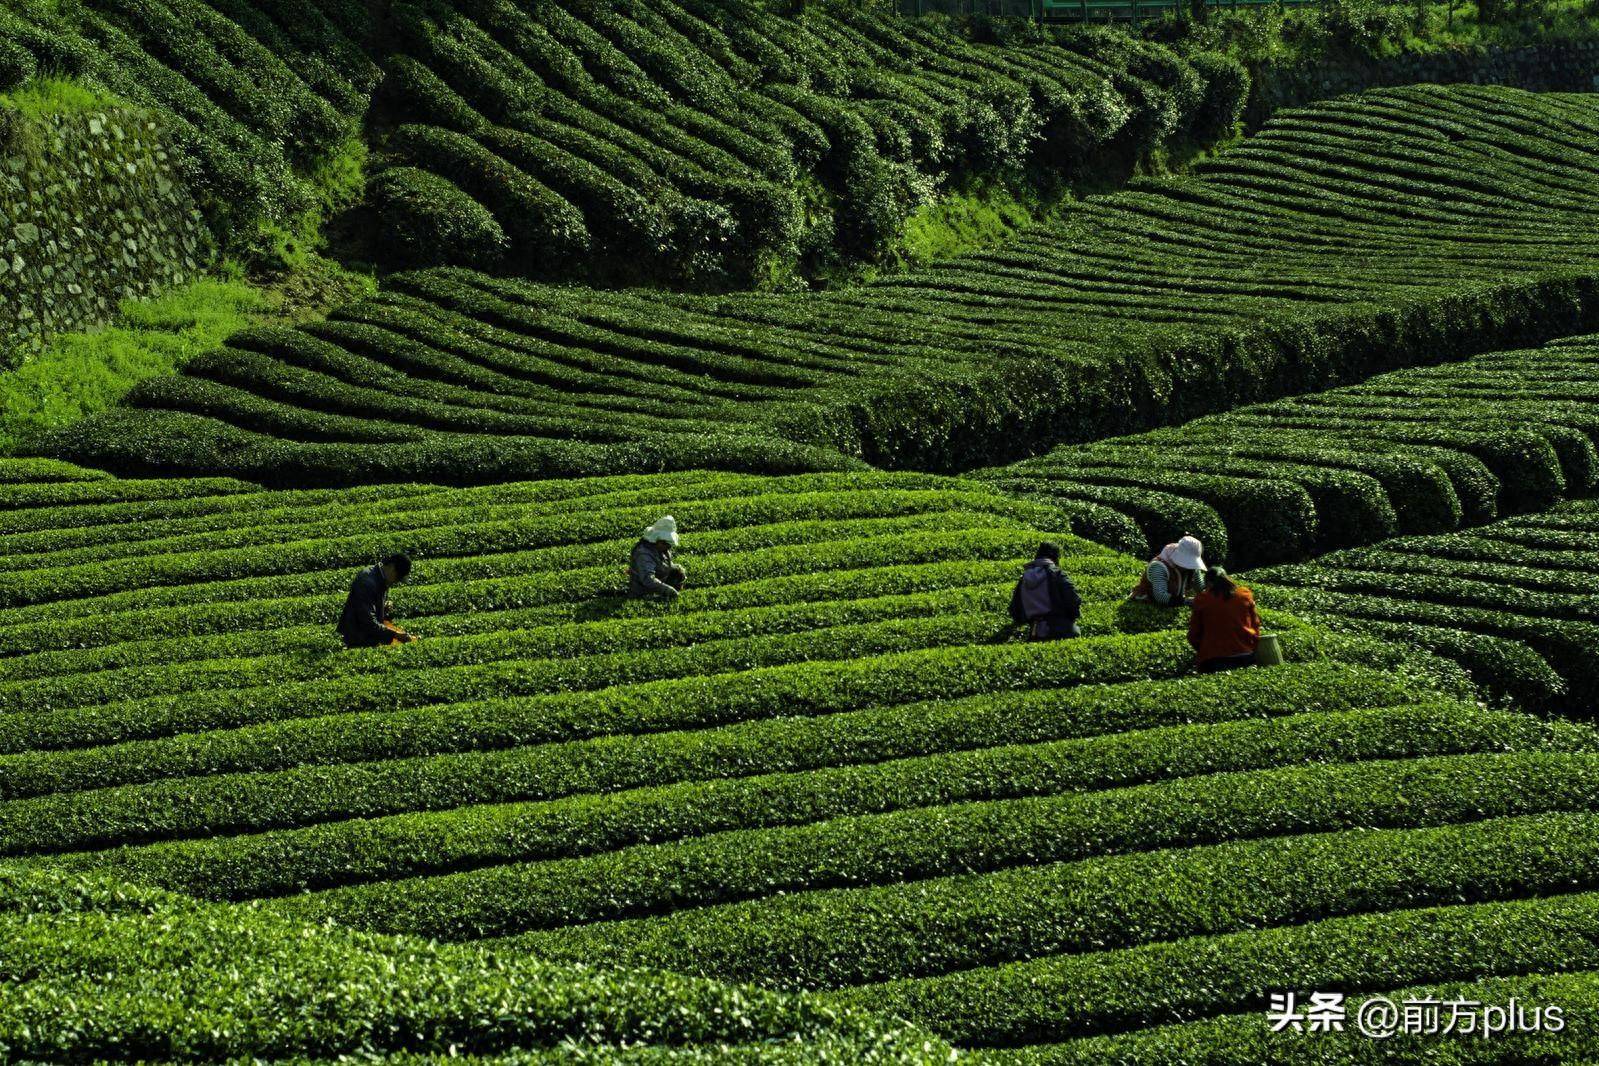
[(1291, 264), (1415, 451), (1504, 599), (830, 767), (94, 967)]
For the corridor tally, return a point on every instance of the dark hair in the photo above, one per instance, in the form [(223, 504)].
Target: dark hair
[(401, 564), (1221, 584), (1048, 550)]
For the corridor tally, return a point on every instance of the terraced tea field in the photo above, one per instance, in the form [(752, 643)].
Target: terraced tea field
[(824, 770), (668, 141), (242, 980), (1416, 451), (1356, 228), (1511, 600), (828, 805), (696, 142)]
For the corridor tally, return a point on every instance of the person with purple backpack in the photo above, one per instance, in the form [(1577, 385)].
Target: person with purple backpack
[(1045, 600)]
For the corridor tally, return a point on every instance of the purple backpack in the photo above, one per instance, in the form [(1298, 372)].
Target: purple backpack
[(1037, 603)]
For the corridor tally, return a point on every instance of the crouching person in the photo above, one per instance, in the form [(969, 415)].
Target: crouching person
[(1224, 627), (651, 571), (1045, 599), (366, 621), (1173, 577)]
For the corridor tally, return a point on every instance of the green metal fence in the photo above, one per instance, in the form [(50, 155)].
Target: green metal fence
[(1083, 10)]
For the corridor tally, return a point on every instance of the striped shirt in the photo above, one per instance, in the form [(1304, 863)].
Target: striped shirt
[(1161, 591)]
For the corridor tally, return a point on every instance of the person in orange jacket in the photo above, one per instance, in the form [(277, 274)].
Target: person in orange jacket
[(1224, 627)]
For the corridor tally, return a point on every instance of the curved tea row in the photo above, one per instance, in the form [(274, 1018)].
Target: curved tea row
[(687, 142), (1512, 600), (829, 767), (94, 966), (1400, 226), (1416, 451)]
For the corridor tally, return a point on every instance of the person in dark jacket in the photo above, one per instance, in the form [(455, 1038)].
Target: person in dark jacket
[(1045, 599), (365, 622), (650, 570)]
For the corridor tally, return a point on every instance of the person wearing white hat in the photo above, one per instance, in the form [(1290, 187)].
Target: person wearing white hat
[(651, 571), (1173, 577)]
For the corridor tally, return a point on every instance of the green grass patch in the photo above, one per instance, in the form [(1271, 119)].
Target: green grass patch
[(53, 96), (965, 221), (86, 371), (80, 373), (336, 182)]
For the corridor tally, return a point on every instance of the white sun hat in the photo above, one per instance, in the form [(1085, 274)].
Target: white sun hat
[(665, 528), (1188, 553)]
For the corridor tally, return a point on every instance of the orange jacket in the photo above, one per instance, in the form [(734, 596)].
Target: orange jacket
[(1221, 628)]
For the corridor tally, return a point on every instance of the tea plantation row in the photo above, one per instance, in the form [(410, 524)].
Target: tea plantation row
[(1411, 452), (825, 769), (1401, 226), (1513, 600), (700, 142), (93, 969)]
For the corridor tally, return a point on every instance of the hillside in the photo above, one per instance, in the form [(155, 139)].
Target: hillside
[(698, 142), (1347, 238), (828, 741), (93, 968), (713, 142), (1417, 451), (873, 305)]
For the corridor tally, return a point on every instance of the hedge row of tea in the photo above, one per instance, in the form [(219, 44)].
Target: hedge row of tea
[(458, 378), (93, 969), (700, 142), (1539, 1017), (825, 768), (1412, 452), (1512, 601), (253, 95), (1363, 231), (706, 142), (1401, 226), (95, 211)]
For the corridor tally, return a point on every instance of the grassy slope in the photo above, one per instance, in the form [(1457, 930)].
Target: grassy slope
[(83, 372), (663, 143), (51, 96)]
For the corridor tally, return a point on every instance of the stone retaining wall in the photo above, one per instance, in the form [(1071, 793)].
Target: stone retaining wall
[(1565, 67), (91, 212)]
